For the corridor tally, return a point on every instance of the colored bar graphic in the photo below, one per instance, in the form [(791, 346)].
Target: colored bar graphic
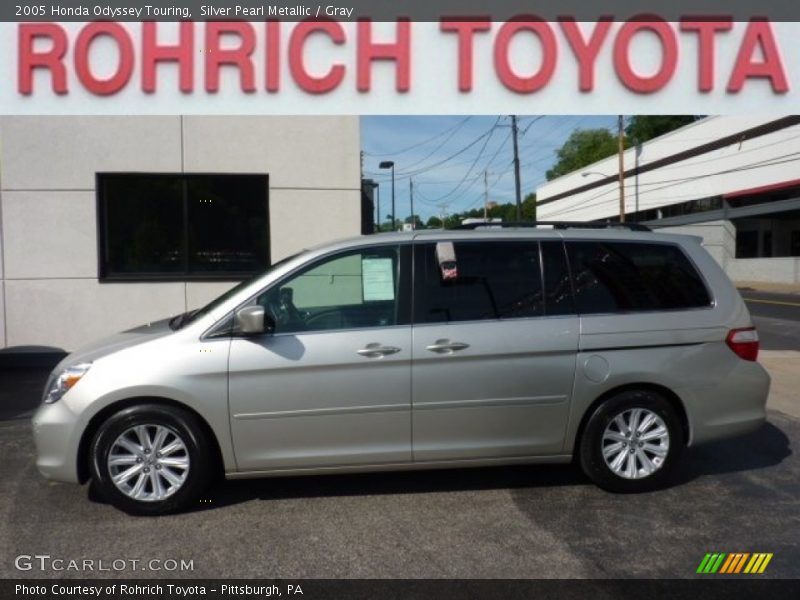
[(703, 563), (754, 563), (741, 562), (732, 558), (764, 564), (718, 563), (734, 562)]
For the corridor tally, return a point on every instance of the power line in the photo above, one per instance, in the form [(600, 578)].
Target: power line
[(472, 166), (543, 154), (478, 176), (411, 173), (439, 146), (491, 185), (454, 128), (535, 119)]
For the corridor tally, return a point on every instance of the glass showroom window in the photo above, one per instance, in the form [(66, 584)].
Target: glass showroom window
[(176, 226)]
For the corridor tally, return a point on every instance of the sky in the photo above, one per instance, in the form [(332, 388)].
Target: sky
[(446, 157)]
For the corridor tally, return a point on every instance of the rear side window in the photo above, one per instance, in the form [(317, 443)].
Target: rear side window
[(630, 276), (496, 280)]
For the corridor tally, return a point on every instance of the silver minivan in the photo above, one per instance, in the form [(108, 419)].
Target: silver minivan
[(615, 347)]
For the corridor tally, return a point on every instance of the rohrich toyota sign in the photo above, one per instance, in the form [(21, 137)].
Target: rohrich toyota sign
[(525, 64)]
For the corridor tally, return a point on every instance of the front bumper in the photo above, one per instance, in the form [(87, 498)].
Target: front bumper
[(56, 435)]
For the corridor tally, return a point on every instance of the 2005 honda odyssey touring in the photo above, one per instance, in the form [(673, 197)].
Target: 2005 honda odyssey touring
[(429, 349)]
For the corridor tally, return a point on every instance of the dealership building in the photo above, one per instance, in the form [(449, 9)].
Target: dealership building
[(733, 180), (109, 222)]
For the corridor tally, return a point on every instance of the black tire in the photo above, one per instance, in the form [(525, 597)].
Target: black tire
[(591, 443), (179, 422)]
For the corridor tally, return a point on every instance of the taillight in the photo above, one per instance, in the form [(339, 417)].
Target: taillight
[(744, 342)]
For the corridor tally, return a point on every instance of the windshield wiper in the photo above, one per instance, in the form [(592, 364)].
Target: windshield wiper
[(180, 320), (176, 321)]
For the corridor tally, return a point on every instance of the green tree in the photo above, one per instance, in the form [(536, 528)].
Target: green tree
[(386, 225), (582, 148), (529, 208), (451, 221), (642, 128), (434, 223), (416, 220), (507, 212)]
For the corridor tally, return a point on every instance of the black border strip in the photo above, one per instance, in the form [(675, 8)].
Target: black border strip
[(708, 587)]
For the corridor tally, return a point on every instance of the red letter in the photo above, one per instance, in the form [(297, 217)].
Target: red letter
[(502, 64), (312, 83), (52, 59), (706, 30), (465, 30), (759, 34), (238, 57), (669, 45), (117, 81), (400, 51), (153, 53), (585, 52), (272, 75)]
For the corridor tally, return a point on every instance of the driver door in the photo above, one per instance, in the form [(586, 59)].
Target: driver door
[(332, 385)]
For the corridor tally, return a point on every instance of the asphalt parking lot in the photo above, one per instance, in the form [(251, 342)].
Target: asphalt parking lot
[(777, 317), (521, 522)]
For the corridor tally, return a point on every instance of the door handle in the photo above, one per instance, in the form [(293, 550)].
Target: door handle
[(446, 347), (377, 351)]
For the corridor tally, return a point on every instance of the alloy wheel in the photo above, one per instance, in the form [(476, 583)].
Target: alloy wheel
[(148, 462), (635, 443)]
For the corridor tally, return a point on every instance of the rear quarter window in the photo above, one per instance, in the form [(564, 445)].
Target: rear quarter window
[(634, 276)]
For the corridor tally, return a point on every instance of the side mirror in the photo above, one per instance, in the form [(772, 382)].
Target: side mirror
[(252, 320)]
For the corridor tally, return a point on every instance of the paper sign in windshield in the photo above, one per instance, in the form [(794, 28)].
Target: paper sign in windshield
[(378, 277)]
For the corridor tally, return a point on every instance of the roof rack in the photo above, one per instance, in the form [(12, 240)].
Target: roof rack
[(559, 225)]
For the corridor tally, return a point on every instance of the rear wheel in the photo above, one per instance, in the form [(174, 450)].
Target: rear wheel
[(151, 459), (632, 442)]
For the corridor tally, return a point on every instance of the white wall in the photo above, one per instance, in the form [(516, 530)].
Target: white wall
[(719, 238), (49, 291), (733, 168), (768, 270)]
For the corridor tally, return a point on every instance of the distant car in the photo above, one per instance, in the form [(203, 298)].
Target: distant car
[(428, 349)]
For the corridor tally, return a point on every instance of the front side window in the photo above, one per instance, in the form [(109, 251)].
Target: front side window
[(182, 226), (493, 280), (631, 276), (352, 290)]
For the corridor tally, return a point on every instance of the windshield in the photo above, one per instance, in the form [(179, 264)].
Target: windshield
[(185, 318)]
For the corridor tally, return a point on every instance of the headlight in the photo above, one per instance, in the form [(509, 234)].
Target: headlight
[(60, 383)]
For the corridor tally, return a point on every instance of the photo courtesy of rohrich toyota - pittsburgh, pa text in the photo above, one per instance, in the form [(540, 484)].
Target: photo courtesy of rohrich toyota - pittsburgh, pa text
[(371, 300)]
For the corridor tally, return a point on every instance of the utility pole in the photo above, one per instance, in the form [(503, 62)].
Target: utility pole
[(411, 194), (621, 140), (485, 196), (442, 213), (378, 205), (516, 167), (394, 214), (389, 164)]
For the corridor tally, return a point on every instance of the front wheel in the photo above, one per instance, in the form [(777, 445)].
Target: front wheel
[(632, 442), (150, 459)]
